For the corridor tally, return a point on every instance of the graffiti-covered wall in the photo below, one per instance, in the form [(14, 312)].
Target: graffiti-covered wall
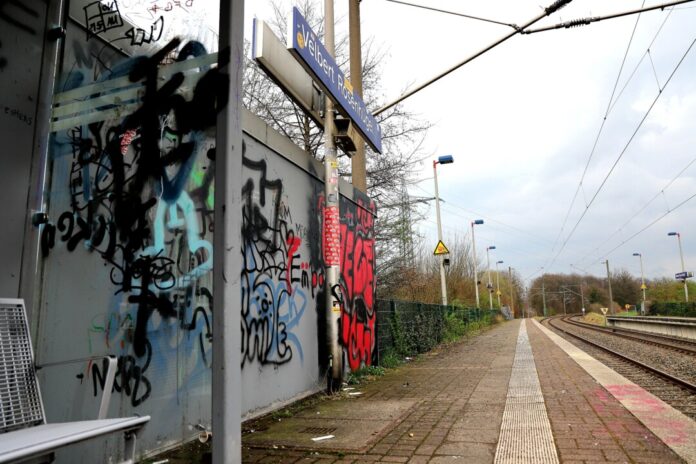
[(127, 253), (283, 324)]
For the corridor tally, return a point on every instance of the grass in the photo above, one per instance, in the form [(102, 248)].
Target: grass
[(365, 373), (594, 318)]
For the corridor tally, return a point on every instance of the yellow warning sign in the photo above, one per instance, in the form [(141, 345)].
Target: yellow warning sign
[(498, 293), (643, 287), (441, 249)]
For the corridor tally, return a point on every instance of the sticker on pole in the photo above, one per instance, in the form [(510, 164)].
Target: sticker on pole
[(332, 236), (440, 249)]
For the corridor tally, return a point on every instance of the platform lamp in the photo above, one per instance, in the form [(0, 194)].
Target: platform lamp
[(681, 256), (476, 222), (445, 159), (642, 282)]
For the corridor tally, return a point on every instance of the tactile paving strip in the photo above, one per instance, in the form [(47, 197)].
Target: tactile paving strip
[(525, 434)]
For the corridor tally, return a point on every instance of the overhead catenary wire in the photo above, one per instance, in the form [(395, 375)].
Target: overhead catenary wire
[(623, 151), (554, 7), (643, 208), (599, 134), (477, 18), (586, 21)]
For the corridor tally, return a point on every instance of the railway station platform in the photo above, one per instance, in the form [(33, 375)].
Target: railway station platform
[(516, 393)]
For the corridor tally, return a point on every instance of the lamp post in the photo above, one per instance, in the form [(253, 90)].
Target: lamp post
[(490, 283), (473, 247), (681, 256), (446, 159), (543, 291), (497, 282), (642, 282), (512, 299)]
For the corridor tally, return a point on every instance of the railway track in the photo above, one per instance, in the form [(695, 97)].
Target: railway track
[(673, 389), (662, 341)]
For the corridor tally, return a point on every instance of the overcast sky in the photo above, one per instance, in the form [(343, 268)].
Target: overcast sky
[(522, 119)]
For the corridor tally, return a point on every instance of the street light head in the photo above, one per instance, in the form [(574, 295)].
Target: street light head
[(636, 254), (499, 262), (672, 234), (477, 222), (492, 247), (445, 159)]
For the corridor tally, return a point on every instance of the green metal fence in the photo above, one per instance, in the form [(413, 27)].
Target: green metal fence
[(407, 328)]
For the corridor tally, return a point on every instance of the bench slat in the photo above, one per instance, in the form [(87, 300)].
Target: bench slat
[(38, 440)]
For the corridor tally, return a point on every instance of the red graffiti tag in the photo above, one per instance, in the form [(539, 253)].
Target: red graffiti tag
[(358, 339), (293, 245)]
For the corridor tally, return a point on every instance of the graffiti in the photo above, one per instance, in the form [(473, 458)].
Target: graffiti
[(101, 17), (140, 36), (140, 198), (357, 284), (278, 285), (169, 6)]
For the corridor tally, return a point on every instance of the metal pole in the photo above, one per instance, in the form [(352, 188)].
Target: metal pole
[(543, 293), (490, 284), (565, 313), (512, 298), (642, 282), (443, 283), (473, 247), (226, 372), (358, 170), (611, 297), (582, 298), (331, 232), (497, 283), (681, 256)]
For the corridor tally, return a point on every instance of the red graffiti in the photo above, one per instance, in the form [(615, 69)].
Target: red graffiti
[(358, 317), (358, 339)]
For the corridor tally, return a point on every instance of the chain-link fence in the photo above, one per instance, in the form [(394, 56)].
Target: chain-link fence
[(407, 328)]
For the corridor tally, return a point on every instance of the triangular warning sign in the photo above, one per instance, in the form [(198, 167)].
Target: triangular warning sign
[(441, 249)]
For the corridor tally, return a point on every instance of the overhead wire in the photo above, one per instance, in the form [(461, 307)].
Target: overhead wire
[(643, 208), (599, 133), (623, 151)]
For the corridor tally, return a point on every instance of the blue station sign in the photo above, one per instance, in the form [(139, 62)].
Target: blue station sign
[(310, 52)]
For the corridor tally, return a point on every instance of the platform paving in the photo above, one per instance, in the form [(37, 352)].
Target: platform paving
[(454, 400)]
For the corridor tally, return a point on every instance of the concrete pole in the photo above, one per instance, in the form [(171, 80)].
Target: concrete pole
[(443, 282), (497, 283), (226, 372), (582, 298), (490, 284), (611, 296), (681, 256), (512, 298), (332, 240), (564, 303), (473, 248), (543, 293), (358, 169), (642, 283)]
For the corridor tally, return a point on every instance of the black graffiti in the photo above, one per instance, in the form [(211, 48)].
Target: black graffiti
[(140, 36), (101, 17), (118, 177), (130, 377)]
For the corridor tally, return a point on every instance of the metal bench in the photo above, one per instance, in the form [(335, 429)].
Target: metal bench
[(24, 433)]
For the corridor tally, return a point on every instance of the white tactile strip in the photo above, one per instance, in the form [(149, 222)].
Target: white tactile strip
[(525, 434), (671, 426)]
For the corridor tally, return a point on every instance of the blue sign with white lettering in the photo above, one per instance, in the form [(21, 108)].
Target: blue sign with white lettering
[(306, 46)]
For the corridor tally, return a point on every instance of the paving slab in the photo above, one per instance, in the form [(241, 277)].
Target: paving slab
[(446, 406), (589, 424)]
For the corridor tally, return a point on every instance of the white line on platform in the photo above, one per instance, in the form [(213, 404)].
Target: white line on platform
[(525, 434)]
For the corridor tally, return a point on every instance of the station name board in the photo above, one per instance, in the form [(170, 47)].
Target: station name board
[(310, 52)]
